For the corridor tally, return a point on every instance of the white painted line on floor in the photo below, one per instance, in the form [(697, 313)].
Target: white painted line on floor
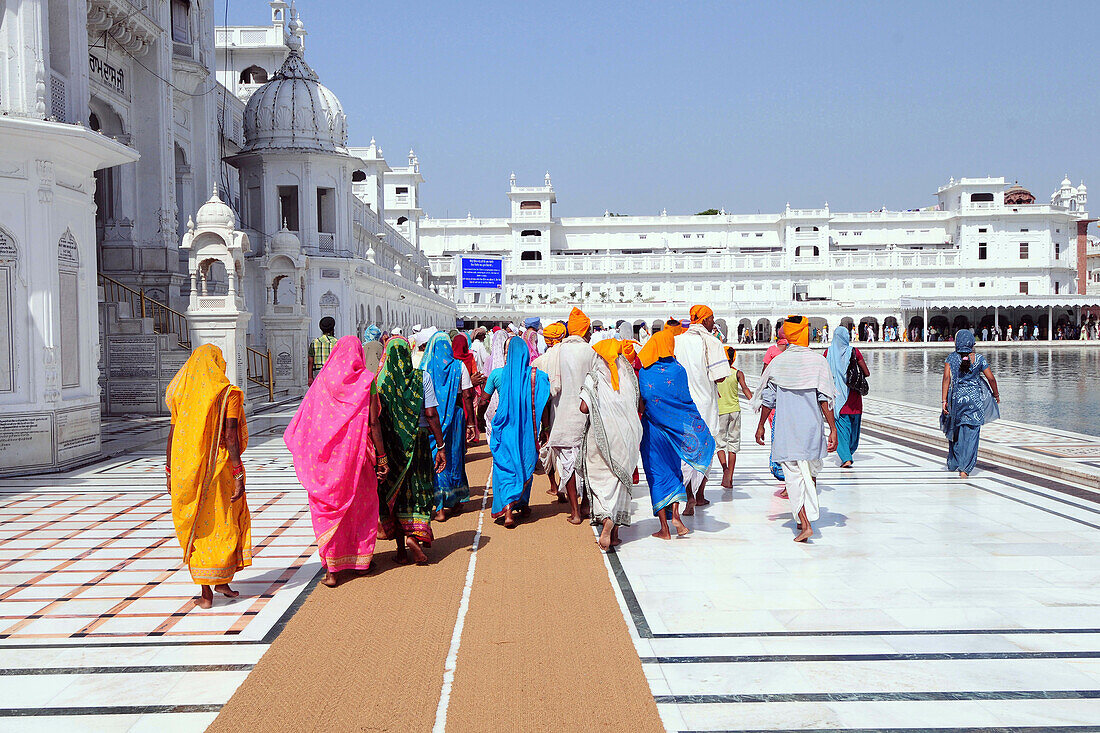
[(456, 638)]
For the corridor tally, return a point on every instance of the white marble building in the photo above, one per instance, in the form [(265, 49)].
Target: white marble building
[(980, 249), (114, 130)]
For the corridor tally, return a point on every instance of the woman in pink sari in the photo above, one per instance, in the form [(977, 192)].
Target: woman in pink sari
[(336, 441)]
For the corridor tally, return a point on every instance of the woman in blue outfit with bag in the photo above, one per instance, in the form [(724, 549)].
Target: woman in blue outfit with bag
[(970, 398)]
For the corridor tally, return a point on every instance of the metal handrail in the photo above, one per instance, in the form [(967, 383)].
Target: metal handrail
[(165, 319), (260, 371)]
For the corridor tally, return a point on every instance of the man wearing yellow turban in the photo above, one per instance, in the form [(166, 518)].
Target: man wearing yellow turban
[(567, 364), (553, 334), (705, 362)]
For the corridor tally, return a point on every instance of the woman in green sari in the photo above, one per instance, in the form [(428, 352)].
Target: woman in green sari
[(408, 492)]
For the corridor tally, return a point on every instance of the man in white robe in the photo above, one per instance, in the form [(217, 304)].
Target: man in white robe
[(568, 364), (706, 364)]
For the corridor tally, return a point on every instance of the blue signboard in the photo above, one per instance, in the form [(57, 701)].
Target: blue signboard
[(482, 274)]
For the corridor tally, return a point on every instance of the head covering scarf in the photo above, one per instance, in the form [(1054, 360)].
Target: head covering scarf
[(609, 350), (840, 354), (533, 322), (700, 313), (329, 439), (479, 332), (461, 348), (512, 442), (798, 367), (579, 323), (553, 333), (496, 351), (531, 338), (423, 336), (964, 342), (660, 345), (372, 333), (201, 400), (409, 488), (451, 486), (372, 354), (797, 330)]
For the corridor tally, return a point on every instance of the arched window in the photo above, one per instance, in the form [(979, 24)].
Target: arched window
[(530, 205), (531, 255), (402, 220), (975, 197), (358, 176), (254, 75), (530, 233)]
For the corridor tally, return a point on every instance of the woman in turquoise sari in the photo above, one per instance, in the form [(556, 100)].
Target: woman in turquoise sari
[(523, 395), (452, 388), (675, 440), (969, 401)]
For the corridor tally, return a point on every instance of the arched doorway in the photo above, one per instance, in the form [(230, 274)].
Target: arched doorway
[(960, 323), (103, 118), (723, 328), (940, 327), (817, 328), (763, 330), (868, 329), (916, 328), (890, 329), (744, 330)]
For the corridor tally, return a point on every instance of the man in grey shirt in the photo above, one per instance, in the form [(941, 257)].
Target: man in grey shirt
[(798, 385)]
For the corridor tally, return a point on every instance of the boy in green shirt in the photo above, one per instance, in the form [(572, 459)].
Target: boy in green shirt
[(729, 418)]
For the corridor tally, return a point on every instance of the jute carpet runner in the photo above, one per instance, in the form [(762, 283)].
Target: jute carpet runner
[(545, 646)]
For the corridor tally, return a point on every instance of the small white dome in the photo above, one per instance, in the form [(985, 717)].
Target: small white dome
[(1081, 188), (294, 110), (215, 213), (285, 240), (1066, 183)]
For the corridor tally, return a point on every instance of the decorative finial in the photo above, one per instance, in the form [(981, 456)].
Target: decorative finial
[(190, 223)]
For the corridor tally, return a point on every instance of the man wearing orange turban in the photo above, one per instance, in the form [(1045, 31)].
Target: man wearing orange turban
[(579, 323), (553, 333), (567, 364), (705, 362)]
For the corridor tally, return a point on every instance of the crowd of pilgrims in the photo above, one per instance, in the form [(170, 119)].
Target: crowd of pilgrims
[(380, 438)]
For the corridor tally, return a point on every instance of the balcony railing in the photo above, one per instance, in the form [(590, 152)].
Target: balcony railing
[(326, 242)]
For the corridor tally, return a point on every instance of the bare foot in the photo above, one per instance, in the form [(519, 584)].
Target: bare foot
[(525, 511), (206, 598), (615, 542), (226, 591), (416, 551), (330, 580), (365, 571), (605, 535), (551, 491), (805, 534), (562, 498), (782, 493), (701, 500), (681, 530), (663, 534), (963, 474), (440, 516), (574, 519), (456, 509), (846, 464), (509, 520), (585, 509), (402, 558), (689, 511)]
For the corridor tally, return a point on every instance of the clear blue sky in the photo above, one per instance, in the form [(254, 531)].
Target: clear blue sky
[(639, 106)]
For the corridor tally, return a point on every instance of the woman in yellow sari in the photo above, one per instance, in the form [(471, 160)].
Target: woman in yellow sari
[(205, 475)]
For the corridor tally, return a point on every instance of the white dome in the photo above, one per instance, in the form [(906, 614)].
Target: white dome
[(1082, 188), (1066, 183), (294, 110), (215, 213), (284, 240)]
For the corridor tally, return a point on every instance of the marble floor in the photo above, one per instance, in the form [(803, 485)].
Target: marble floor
[(97, 629), (922, 602)]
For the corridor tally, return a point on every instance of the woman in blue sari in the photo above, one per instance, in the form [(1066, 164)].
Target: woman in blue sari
[(523, 395), (677, 447), (453, 387), (969, 401)]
